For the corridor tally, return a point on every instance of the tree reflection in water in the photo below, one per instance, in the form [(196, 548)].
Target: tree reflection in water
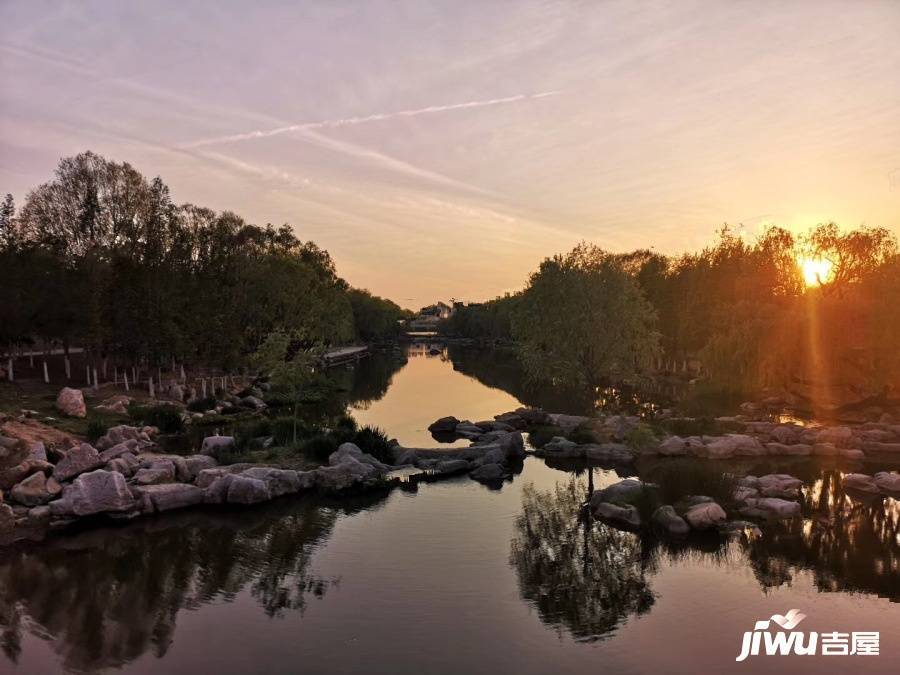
[(104, 597), (847, 543), (581, 576)]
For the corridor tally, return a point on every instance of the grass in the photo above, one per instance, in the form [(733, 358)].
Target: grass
[(642, 437), (167, 418)]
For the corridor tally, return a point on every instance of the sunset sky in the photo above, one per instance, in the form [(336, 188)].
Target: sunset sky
[(440, 149)]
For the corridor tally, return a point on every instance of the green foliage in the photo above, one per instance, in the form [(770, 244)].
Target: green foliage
[(584, 319), (641, 438), (167, 418), (375, 318), (582, 435), (492, 319), (374, 441)]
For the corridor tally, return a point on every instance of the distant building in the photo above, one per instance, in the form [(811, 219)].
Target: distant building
[(428, 317)]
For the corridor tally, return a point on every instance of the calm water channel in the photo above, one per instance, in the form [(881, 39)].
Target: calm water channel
[(454, 578)]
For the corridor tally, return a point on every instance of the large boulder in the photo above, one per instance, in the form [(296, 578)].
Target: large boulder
[(560, 446), (673, 446), (841, 437), (278, 481), (667, 520), (347, 474), (779, 485), (99, 491), (168, 496), (488, 473), (217, 446), (860, 482), (445, 425), (71, 402), (451, 466), (131, 445), (197, 463), (705, 516), (77, 460), (352, 451), (770, 507), (888, 482), (12, 452), (732, 445), (158, 472), (620, 516), (123, 433), (794, 449), (624, 492), (246, 490)]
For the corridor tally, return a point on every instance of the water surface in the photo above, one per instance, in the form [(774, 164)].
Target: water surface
[(455, 577)]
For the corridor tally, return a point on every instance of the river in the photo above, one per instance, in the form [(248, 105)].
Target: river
[(451, 578)]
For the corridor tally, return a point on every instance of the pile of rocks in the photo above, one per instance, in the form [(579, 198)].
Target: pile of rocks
[(769, 497), (489, 459), (122, 477)]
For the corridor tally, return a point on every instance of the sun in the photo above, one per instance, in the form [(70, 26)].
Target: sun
[(816, 271)]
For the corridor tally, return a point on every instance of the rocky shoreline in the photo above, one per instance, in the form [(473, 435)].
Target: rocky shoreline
[(124, 476)]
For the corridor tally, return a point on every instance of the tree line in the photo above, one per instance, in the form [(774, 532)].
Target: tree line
[(101, 258), (779, 311)]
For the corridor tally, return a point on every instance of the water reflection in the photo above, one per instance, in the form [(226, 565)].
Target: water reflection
[(583, 577), (105, 597), (848, 543)]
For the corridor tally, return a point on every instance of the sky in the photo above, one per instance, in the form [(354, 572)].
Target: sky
[(441, 150)]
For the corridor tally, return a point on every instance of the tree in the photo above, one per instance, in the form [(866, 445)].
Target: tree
[(583, 318)]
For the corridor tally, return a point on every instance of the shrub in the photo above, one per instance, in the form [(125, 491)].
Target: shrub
[(375, 442), (641, 438), (319, 447), (282, 430), (202, 404), (583, 435), (166, 418), (245, 434)]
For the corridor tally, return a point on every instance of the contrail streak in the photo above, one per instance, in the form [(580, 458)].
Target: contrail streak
[(349, 121)]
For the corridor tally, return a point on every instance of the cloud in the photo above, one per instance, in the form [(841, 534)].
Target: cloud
[(350, 121)]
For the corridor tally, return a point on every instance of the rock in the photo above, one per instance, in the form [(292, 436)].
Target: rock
[(18, 473), (116, 404), (888, 482), (568, 423), (622, 516), (278, 481), (253, 402), (837, 436), (531, 416), (197, 463), (852, 453), (623, 492), (825, 450), (670, 522), (782, 450), (705, 516), (785, 433), (733, 445), (71, 402), (123, 433), (560, 447), (451, 466), (216, 492), (7, 518), (513, 419), (445, 425), (77, 460), (347, 474), (610, 453), (488, 473), (771, 507), (35, 490), (168, 497), (99, 491), (860, 482), (672, 446), (12, 452), (512, 444), (157, 473), (246, 490), (217, 446), (875, 446), (38, 451), (779, 485), (131, 445), (350, 450), (743, 493)]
